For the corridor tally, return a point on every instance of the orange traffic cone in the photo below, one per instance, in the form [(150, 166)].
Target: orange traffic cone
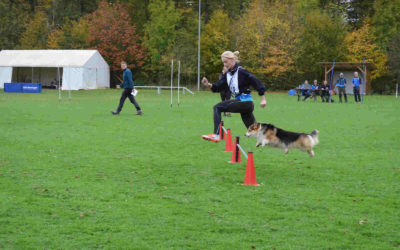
[(236, 152), (228, 142), (221, 131), (250, 176)]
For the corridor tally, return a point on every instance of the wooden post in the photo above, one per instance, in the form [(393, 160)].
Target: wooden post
[(367, 83)]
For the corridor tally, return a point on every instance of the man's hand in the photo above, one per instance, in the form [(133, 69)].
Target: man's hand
[(118, 86), (205, 82), (263, 102)]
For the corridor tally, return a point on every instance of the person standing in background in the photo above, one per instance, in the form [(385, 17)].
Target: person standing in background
[(341, 84), (356, 87), (127, 84)]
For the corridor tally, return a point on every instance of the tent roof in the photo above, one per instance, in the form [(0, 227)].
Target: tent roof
[(45, 58)]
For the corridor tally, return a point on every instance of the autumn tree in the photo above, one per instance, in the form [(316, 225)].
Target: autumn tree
[(362, 43), (111, 33), (267, 36)]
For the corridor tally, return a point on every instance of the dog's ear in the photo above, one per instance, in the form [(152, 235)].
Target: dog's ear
[(263, 128)]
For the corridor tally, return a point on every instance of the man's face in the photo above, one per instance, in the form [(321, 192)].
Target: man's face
[(315, 82), (123, 66)]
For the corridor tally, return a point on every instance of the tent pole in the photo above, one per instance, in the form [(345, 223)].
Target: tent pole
[(59, 84), (172, 77), (333, 69), (365, 81)]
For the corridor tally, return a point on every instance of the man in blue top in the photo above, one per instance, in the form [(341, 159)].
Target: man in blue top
[(127, 84), (306, 90), (356, 87), (341, 84)]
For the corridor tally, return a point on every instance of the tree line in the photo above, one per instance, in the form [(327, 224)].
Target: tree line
[(281, 42)]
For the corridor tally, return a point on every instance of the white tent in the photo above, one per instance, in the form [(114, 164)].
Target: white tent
[(78, 69)]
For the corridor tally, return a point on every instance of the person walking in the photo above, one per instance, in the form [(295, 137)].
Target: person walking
[(238, 80), (356, 87), (341, 84), (128, 85)]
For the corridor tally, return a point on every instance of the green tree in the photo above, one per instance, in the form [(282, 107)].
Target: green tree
[(37, 30), (161, 32), (322, 40), (394, 56), (217, 38), (13, 19), (386, 21), (72, 35)]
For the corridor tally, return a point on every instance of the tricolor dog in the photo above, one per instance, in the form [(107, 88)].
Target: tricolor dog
[(268, 134)]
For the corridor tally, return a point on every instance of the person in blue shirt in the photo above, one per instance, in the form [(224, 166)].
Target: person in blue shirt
[(127, 85), (341, 84), (356, 87), (306, 90)]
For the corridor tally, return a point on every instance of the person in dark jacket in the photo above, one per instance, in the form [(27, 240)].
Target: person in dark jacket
[(341, 84), (238, 80), (325, 92), (127, 85)]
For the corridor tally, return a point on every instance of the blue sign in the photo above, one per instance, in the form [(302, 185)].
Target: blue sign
[(23, 87), (31, 88)]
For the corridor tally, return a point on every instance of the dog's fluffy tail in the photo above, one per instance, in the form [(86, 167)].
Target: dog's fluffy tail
[(314, 135)]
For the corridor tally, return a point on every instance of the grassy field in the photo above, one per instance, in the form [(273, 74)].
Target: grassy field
[(73, 176)]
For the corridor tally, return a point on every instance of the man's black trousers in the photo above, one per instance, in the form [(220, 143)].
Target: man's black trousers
[(127, 93)]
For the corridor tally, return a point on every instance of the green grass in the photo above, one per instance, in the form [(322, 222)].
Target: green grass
[(73, 176)]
